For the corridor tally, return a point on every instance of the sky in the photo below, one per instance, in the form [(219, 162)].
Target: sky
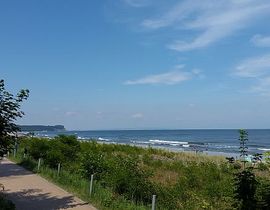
[(139, 64)]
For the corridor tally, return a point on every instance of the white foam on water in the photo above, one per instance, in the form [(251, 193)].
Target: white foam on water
[(264, 149), (186, 145), (103, 139), (81, 138), (140, 142), (173, 143)]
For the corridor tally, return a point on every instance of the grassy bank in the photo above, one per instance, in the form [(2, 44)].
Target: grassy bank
[(101, 197), (126, 177)]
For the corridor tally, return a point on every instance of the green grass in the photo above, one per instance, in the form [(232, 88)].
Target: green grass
[(101, 198), (127, 176)]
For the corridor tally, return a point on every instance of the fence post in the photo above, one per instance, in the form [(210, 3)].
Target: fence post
[(154, 202), (39, 162), (8, 153), (91, 185), (14, 152), (58, 170)]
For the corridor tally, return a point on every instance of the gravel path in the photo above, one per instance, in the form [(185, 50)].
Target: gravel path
[(29, 191)]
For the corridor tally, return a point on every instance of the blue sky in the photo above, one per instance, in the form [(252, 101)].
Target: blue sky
[(139, 64)]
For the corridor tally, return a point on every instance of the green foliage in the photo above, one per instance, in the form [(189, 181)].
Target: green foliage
[(129, 179), (245, 189), (267, 157), (6, 204), (38, 147), (250, 191), (263, 194), (126, 177), (243, 149), (262, 167), (62, 149), (9, 111), (94, 162)]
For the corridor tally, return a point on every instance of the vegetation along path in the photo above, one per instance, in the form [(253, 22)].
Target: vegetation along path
[(30, 191)]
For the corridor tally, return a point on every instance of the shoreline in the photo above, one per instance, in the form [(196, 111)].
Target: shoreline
[(236, 155), (206, 153), (212, 142)]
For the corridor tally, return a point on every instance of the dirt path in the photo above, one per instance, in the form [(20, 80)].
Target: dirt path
[(30, 191)]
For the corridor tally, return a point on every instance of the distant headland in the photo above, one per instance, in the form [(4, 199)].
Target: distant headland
[(29, 128)]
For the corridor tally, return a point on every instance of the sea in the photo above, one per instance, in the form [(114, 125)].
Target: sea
[(211, 141)]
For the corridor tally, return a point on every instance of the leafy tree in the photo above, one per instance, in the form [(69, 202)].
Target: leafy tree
[(9, 111)]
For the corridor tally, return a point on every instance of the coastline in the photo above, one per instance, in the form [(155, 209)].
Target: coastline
[(221, 142), (166, 149)]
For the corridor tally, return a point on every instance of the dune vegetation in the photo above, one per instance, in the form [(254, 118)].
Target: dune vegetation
[(126, 177)]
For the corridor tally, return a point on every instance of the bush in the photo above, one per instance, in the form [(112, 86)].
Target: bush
[(263, 194), (37, 147), (129, 179), (245, 190), (62, 149), (93, 162), (262, 167)]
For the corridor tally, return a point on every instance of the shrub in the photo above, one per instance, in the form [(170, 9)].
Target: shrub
[(245, 190), (263, 194), (62, 149), (93, 162), (262, 167), (129, 179), (38, 147)]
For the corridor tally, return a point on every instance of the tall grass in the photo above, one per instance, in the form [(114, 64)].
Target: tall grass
[(101, 197), (127, 176)]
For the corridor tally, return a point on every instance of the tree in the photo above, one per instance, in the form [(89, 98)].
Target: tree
[(246, 185), (9, 112), (243, 149), (245, 180)]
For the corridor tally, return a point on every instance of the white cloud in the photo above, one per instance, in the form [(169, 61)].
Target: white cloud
[(137, 3), (212, 19), (254, 67), (261, 41), (176, 76), (170, 78), (258, 69), (71, 113), (137, 116)]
